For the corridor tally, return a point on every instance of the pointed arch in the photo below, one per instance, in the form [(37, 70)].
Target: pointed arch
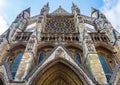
[(105, 66), (107, 52), (59, 69), (75, 50), (42, 51), (14, 51), (78, 58), (41, 57), (107, 59)]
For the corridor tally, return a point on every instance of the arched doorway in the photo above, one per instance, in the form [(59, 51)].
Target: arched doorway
[(59, 72)]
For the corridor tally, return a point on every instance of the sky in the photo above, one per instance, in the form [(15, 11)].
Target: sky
[(9, 9)]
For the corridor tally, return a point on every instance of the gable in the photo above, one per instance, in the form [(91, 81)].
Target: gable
[(60, 56), (60, 11)]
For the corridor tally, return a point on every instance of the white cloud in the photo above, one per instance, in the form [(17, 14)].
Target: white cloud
[(2, 3), (3, 25), (111, 9)]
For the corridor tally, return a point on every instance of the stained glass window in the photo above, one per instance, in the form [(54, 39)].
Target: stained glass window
[(41, 57), (78, 59), (15, 65), (105, 67)]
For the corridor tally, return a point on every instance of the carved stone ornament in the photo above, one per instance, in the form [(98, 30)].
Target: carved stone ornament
[(59, 53), (89, 44)]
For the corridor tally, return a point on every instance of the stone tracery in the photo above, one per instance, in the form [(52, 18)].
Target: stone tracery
[(60, 25)]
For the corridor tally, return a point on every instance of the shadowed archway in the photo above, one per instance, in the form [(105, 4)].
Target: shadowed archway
[(59, 72)]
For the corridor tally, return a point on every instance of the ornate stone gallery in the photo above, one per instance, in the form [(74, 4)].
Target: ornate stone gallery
[(60, 48)]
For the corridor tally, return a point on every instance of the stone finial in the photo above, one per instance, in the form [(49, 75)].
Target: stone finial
[(75, 9), (47, 4), (73, 5), (93, 10), (45, 9), (60, 6), (94, 13)]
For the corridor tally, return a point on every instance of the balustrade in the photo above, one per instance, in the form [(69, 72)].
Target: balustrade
[(99, 37), (22, 36), (60, 37)]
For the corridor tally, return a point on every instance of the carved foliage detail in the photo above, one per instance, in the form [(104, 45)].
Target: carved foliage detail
[(89, 44)]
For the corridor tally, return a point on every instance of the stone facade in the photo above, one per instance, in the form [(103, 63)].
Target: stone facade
[(60, 48)]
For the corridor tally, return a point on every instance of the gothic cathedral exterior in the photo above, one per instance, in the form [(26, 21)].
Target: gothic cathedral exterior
[(60, 48)]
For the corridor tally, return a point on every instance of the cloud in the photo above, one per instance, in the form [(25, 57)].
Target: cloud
[(3, 25), (111, 9), (2, 3)]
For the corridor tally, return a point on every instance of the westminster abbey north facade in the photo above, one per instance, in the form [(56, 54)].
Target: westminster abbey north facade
[(60, 48)]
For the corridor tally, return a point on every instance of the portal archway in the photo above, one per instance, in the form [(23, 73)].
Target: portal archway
[(59, 72)]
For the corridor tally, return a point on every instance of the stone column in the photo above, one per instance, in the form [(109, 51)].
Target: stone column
[(92, 61), (4, 47), (27, 61)]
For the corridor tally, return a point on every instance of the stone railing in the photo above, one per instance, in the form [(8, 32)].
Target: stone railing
[(99, 37), (22, 36), (60, 37)]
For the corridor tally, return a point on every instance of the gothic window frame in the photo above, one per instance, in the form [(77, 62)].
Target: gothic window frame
[(46, 49), (14, 67), (42, 57), (107, 74), (76, 56)]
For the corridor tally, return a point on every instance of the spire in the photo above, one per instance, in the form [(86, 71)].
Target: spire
[(47, 4), (73, 4)]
